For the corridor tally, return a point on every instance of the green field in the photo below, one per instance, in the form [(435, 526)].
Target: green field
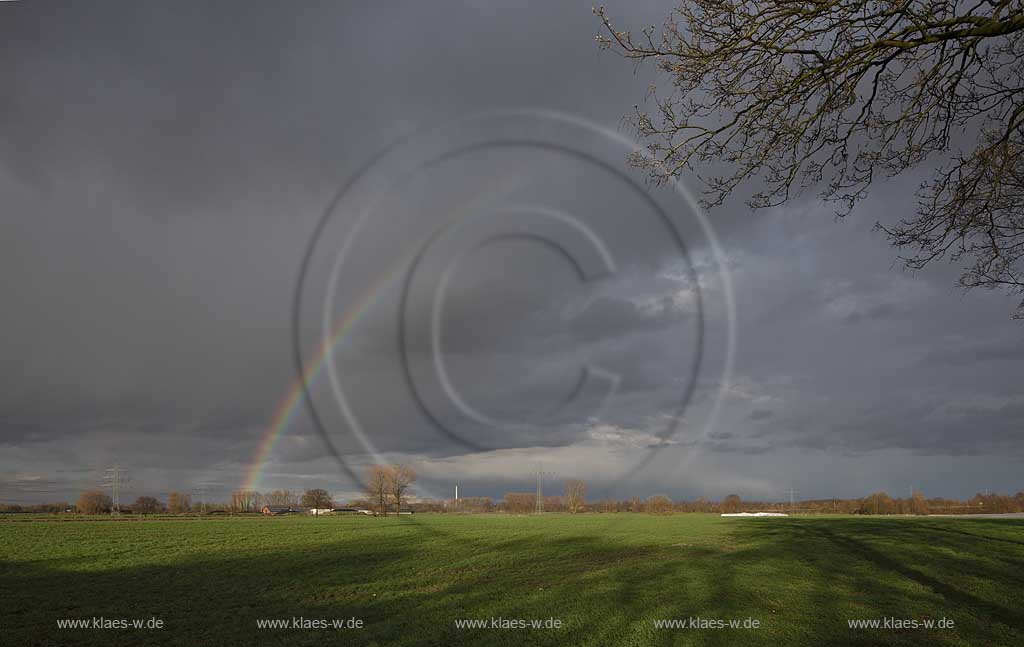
[(607, 578)]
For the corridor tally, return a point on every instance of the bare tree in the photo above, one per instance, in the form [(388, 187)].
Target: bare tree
[(474, 504), (878, 503), (316, 499), (178, 502), (146, 505), (918, 504), (94, 502), (282, 497), (243, 500), (377, 479), (576, 496), (659, 504), (731, 504), (400, 477), (836, 93), (519, 502)]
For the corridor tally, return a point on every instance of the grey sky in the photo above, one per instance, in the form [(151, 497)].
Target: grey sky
[(162, 168)]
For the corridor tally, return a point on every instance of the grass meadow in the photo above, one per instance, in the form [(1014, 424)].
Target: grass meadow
[(606, 578)]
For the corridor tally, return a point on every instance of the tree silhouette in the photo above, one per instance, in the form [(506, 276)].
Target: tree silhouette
[(837, 93)]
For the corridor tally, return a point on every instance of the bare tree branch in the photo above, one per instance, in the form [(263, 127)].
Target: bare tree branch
[(833, 94)]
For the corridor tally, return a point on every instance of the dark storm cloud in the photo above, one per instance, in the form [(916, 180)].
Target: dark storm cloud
[(978, 352), (161, 171), (608, 317)]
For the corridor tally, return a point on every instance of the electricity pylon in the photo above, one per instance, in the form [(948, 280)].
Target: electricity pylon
[(538, 507), (115, 478)]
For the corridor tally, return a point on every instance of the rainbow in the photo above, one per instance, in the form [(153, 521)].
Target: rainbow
[(286, 409)]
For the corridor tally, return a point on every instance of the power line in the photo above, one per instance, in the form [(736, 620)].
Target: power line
[(203, 487), (538, 507), (115, 478)]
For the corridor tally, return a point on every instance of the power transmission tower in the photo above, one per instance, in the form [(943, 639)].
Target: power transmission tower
[(539, 505), (202, 489), (115, 478), (792, 494)]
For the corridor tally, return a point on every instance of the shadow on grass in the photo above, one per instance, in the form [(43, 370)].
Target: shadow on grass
[(954, 596), (800, 578), (983, 523)]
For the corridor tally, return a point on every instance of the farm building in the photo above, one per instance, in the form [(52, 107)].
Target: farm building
[(276, 509), (351, 511)]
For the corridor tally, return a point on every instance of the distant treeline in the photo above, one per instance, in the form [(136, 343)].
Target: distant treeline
[(97, 502), (878, 503)]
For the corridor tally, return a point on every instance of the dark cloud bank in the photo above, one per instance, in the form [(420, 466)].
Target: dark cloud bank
[(163, 167)]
